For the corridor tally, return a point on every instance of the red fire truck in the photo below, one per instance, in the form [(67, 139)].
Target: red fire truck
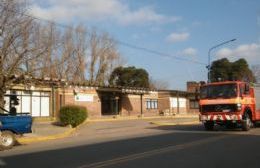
[(229, 103)]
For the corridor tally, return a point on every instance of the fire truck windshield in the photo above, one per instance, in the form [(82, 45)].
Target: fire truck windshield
[(218, 91)]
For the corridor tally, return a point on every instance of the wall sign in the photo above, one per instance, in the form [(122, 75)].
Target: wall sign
[(84, 97)]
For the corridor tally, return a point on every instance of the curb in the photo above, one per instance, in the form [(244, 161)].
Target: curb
[(28, 140), (127, 118), (141, 118), (173, 124)]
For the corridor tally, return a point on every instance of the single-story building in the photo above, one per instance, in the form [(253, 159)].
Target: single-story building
[(45, 100)]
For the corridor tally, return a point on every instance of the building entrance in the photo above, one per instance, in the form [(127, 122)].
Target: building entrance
[(110, 104)]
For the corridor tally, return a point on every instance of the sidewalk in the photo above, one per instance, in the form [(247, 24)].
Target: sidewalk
[(45, 130), (48, 130)]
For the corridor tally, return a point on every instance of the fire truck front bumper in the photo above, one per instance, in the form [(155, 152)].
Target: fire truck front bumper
[(220, 117)]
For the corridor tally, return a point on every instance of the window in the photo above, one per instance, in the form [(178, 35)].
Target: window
[(182, 102), (151, 104), (244, 89), (194, 104), (173, 102), (36, 103), (177, 102), (225, 91)]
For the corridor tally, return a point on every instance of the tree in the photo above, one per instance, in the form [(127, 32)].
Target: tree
[(159, 84), (104, 57), (241, 71), (220, 69), (130, 77), (38, 49), (225, 70), (17, 40), (72, 58), (45, 64)]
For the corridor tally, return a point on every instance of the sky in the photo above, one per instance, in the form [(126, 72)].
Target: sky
[(185, 29)]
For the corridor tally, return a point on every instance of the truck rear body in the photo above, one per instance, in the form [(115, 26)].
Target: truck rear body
[(19, 124)]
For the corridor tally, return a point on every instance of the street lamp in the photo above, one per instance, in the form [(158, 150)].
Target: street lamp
[(209, 61)]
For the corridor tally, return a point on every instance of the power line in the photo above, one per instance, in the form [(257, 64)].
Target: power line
[(155, 52), (159, 53)]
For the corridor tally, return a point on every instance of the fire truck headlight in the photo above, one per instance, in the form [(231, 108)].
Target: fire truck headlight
[(239, 107)]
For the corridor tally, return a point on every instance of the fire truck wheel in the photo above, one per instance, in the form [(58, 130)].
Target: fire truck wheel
[(7, 140), (246, 122), (209, 125)]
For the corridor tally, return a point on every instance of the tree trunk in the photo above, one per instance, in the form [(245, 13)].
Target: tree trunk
[(2, 93), (2, 103), (2, 84)]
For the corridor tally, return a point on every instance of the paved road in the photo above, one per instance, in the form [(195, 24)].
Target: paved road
[(132, 144)]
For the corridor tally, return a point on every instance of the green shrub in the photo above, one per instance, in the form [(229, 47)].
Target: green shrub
[(73, 115)]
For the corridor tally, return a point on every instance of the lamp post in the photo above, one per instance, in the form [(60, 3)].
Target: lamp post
[(209, 61)]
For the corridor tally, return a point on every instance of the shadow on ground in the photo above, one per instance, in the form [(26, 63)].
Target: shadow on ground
[(80, 154), (199, 128), (88, 154)]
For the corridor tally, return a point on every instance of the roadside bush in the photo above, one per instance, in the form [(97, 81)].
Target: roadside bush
[(73, 115)]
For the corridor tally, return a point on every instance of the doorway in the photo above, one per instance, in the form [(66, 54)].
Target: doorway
[(110, 103)]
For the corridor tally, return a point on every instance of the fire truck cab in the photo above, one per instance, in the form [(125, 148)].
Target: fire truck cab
[(229, 103)]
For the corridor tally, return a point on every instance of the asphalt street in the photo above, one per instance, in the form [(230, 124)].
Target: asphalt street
[(133, 144)]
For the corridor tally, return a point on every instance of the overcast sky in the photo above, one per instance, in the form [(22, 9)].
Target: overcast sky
[(182, 28)]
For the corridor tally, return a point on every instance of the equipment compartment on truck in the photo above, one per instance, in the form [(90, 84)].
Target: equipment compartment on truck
[(257, 97)]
